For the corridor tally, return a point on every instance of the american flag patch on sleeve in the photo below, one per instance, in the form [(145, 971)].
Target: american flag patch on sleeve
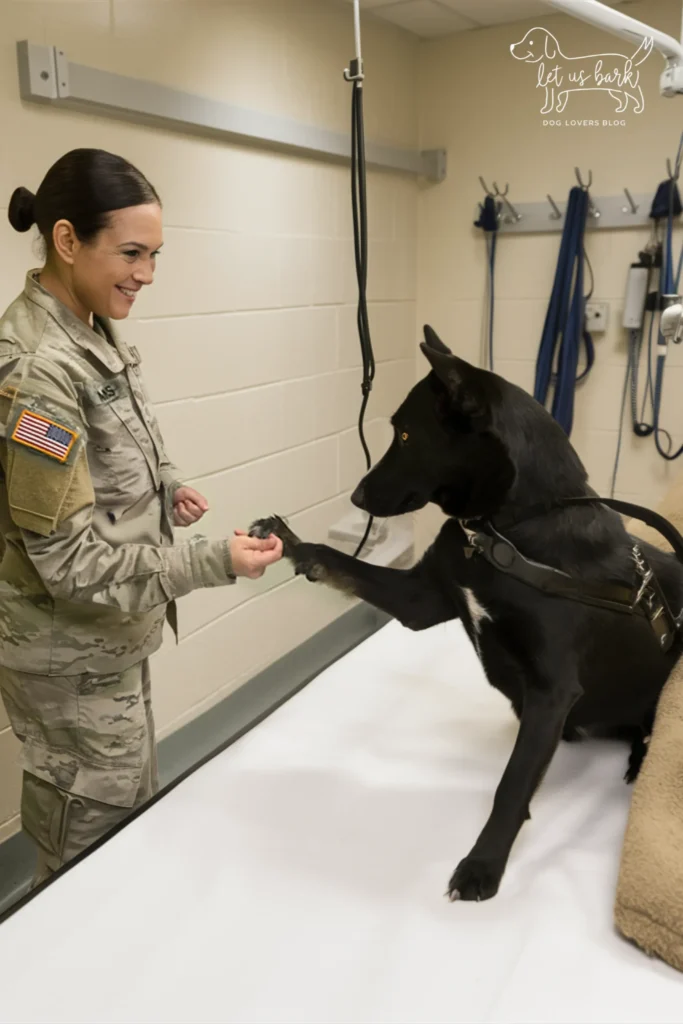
[(44, 435)]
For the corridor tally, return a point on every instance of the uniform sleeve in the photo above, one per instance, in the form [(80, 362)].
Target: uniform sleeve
[(51, 498)]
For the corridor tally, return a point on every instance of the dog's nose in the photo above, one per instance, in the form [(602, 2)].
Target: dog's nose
[(358, 497)]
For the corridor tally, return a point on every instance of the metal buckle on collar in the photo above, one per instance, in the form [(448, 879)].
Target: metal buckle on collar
[(472, 545), (650, 598)]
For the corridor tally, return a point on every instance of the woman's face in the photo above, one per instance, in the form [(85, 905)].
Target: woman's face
[(108, 272)]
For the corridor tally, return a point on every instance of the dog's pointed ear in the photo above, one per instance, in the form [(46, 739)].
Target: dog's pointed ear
[(465, 384), (433, 341)]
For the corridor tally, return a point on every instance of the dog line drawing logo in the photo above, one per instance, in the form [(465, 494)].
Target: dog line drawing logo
[(614, 73)]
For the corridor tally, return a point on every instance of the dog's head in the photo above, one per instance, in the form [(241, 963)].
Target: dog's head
[(535, 45), (469, 441)]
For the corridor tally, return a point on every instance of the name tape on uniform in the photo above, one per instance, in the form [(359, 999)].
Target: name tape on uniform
[(44, 435)]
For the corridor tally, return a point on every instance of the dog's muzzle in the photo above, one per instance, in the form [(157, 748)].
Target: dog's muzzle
[(358, 497)]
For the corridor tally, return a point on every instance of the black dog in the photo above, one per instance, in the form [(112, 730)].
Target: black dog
[(499, 466)]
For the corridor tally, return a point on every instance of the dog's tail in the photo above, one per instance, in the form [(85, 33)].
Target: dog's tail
[(643, 51)]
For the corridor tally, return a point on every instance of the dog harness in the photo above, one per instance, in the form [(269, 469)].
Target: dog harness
[(645, 598)]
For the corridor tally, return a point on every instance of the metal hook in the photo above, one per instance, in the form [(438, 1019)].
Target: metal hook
[(675, 174), (503, 195), (486, 190), (592, 211), (557, 213), (580, 181), (631, 204)]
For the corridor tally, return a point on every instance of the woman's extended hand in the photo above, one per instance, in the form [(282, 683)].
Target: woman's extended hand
[(251, 556)]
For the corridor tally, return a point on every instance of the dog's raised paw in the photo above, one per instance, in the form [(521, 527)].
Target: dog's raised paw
[(263, 528), (474, 879), (300, 554)]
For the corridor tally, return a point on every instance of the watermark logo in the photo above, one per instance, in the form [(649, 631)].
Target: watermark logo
[(559, 75)]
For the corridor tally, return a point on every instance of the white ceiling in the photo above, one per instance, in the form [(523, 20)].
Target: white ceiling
[(428, 18)]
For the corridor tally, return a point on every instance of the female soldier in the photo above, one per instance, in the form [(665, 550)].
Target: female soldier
[(88, 500)]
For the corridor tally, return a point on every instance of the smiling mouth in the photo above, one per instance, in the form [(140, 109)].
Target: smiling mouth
[(130, 293)]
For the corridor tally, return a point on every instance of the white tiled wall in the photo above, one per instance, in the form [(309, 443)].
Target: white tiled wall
[(248, 336), (481, 104)]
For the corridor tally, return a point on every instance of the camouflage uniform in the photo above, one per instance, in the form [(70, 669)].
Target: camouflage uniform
[(89, 570)]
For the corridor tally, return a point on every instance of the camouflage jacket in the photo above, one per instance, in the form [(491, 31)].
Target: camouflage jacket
[(89, 568)]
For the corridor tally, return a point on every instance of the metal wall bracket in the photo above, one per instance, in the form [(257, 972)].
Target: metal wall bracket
[(611, 212), (47, 76)]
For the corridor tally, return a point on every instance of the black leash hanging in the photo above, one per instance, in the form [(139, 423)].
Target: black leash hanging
[(489, 212), (354, 74)]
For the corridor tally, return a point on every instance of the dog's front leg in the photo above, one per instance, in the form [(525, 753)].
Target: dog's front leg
[(478, 876), (562, 98), (405, 594), (549, 99)]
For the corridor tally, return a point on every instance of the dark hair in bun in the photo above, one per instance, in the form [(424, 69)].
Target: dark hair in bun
[(22, 209), (83, 187)]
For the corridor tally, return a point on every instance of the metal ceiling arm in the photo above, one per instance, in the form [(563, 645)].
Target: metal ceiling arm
[(626, 27)]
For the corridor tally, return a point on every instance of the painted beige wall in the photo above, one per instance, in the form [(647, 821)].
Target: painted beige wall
[(248, 337), (482, 105)]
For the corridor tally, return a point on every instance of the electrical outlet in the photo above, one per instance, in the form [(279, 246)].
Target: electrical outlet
[(597, 316)]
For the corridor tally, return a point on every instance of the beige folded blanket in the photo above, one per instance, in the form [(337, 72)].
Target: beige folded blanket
[(649, 899)]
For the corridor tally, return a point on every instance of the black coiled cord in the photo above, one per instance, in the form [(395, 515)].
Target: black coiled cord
[(360, 242)]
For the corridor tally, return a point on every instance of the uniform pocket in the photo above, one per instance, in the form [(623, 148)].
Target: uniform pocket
[(84, 734), (121, 454), (42, 710), (112, 725), (45, 811)]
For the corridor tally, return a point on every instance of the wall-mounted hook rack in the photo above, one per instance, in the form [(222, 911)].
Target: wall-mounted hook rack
[(609, 212)]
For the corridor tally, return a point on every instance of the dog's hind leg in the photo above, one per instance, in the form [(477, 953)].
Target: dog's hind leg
[(478, 876), (636, 757), (639, 738), (406, 594), (621, 100)]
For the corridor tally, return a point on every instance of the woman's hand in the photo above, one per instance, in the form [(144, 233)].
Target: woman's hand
[(188, 506), (251, 556)]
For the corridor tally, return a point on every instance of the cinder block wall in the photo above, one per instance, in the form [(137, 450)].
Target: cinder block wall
[(484, 106), (248, 336)]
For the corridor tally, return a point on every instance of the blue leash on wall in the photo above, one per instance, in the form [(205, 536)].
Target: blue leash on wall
[(565, 319)]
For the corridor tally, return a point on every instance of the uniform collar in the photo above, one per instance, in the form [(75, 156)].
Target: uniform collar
[(102, 342)]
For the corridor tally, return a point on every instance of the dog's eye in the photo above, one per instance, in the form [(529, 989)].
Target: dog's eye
[(404, 436)]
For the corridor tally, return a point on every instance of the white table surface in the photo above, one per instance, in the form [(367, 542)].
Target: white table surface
[(300, 875)]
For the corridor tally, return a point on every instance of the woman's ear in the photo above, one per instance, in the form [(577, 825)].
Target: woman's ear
[(65, 241)]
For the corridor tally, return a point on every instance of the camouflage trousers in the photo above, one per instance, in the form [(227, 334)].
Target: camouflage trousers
[(88, 756)]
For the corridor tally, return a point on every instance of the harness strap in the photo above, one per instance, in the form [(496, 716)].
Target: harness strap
[(646, 598), (626, 508), (503, 555)]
